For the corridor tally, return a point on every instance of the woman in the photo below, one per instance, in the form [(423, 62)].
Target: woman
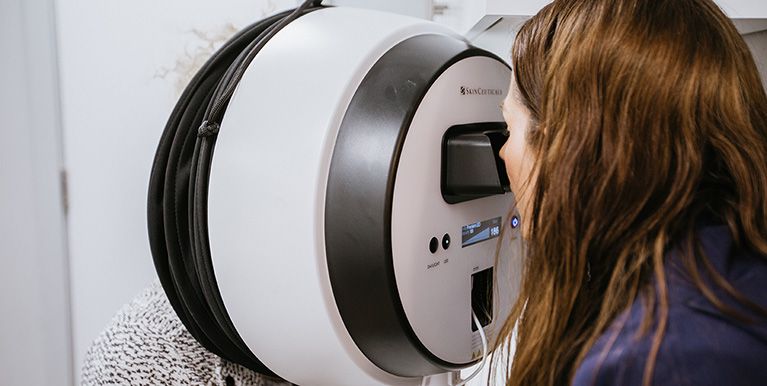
[(638, 154)]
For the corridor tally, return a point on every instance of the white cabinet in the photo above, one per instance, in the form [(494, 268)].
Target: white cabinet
[(492, 24), (473, 17), (34, 302)]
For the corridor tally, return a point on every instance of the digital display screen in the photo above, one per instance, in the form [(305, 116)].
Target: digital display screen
[(480, 231)]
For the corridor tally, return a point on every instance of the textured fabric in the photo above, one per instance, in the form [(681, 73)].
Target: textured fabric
[(701, 346), (146, 344)]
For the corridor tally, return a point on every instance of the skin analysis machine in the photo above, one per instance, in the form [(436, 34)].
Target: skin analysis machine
[(354, 225), (345, 231)]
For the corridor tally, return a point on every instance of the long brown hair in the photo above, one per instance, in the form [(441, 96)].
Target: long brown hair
[(648, 116)]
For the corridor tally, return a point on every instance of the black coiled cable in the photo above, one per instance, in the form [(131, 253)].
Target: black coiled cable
[(178, 191)]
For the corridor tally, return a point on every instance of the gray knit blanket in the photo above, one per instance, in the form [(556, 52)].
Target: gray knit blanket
[(146, 344)]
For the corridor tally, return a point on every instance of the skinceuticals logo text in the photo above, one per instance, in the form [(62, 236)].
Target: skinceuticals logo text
[(480, 91)]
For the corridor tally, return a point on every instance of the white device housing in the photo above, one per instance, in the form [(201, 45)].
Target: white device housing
[(267, 201), (333, 142)]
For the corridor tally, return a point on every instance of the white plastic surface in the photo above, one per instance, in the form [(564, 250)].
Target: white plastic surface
[(266, 203), (436, 288)]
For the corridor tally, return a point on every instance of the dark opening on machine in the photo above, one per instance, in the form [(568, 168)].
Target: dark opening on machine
[(482, 297)]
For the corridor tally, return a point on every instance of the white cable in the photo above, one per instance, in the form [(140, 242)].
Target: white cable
[(484, 351)]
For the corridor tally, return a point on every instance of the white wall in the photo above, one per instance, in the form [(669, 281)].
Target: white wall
[(35, 336)]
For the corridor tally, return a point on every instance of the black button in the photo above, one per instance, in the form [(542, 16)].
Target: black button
[(433, 245), (446, 241)]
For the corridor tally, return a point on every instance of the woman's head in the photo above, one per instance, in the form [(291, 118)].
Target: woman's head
[(640, 118), (516, 152)]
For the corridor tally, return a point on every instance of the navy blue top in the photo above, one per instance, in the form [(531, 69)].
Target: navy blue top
[(701, 345)]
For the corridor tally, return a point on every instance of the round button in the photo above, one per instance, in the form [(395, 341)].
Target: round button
[(515, 222), (433, 245), (446, 241)]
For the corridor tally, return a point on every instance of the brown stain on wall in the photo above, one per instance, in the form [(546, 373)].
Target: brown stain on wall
[(203, 45), (187, 63)]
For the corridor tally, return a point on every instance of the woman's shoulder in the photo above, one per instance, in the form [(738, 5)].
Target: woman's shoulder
[(146, 344), (702, 345), (699, 348)]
